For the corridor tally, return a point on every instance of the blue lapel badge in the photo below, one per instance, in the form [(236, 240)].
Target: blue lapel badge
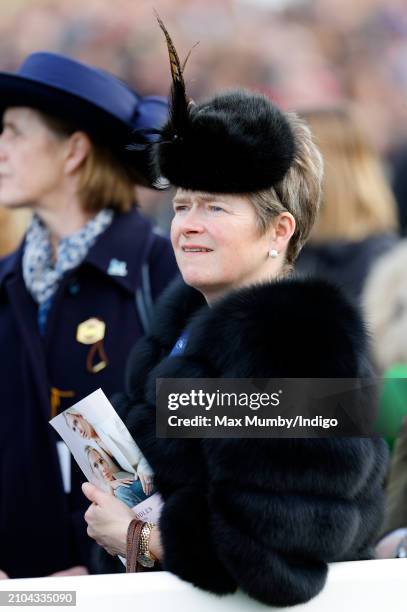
[(117, 268)]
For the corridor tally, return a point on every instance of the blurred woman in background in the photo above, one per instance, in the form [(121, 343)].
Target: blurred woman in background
[(75, 295), (358, 218)]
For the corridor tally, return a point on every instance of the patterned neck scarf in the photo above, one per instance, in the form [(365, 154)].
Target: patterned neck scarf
[(41, 275)]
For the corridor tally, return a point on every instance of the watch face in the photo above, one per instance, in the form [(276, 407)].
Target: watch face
[(145, 561)]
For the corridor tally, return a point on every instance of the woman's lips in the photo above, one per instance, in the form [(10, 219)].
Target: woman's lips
[(195, 249)]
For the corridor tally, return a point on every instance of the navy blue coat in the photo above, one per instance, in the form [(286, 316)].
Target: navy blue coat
[(42, 529)]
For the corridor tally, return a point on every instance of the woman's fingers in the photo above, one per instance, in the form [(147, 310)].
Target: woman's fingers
[(3, 575), (387, 547), (108, 520), (121, 482), (147, 488), (93, 493), (143, 483), (146, 483)]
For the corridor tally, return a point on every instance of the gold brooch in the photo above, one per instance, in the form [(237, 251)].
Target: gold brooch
[(91, 332)]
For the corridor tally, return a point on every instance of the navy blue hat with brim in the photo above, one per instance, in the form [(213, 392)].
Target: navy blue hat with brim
[(91, 100)]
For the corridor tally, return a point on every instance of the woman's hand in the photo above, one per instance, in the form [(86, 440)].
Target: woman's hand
[(146, 482), (108, 519), (3, 575), (121, 482), (387, 547)]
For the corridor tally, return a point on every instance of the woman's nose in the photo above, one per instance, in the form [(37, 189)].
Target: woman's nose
[(192, 223), (3, 154)]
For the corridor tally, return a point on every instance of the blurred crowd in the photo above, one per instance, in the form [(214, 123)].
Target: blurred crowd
[(303, 53)]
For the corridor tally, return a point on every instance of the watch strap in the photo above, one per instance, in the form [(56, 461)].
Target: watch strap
[(132, 546)]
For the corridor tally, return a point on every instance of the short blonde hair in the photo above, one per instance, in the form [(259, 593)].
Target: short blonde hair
[(103, 455), (105, 181), (13, 225), (299, 193), (357, 200)]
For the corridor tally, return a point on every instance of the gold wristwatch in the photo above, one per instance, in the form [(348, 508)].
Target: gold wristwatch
[(144, 557)]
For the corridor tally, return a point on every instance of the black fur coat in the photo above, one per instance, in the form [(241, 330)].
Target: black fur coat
[(263, 515)]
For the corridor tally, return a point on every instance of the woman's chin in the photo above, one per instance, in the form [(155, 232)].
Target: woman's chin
[(197, 281)]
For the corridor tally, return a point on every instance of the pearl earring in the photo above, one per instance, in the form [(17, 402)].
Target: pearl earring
[(273, 253)]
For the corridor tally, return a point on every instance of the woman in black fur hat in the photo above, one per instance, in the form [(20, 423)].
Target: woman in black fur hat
[(264, 515)]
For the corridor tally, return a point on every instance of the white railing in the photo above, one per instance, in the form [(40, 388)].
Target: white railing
[(358, 586)]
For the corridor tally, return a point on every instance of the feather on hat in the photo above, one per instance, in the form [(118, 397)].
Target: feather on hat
[(236, 142)]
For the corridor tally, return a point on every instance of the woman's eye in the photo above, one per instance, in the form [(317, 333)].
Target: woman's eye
[(9, 130), (180, 208), (214, 208)]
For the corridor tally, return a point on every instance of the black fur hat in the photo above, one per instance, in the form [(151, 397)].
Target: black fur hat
[(236, 142)]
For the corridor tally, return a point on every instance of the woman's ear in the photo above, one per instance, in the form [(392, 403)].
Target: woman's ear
[(282, 230), (78, 148)]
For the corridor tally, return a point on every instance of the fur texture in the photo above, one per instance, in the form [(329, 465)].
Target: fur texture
[(266, 515), (237, 142)]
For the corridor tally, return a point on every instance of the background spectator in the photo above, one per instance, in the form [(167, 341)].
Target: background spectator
[(358, 218)]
